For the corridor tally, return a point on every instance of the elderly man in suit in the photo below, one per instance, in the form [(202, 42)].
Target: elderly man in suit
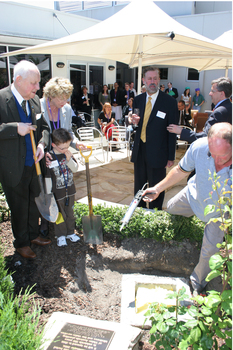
[(221, 91), (19, 113), (154, 147)]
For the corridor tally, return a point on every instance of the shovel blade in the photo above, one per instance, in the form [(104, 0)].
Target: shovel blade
[(92, 229), (47, 206)]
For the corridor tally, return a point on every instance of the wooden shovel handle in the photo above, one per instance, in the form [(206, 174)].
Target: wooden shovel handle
[(37, 165)]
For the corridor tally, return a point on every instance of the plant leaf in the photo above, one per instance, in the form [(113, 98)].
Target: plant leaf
[(212, 301), (191, 323), (162, 327), (209, 209), (195, 334), (216, 261), (212, 275)]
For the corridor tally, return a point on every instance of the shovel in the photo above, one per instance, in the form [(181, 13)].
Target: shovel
[(46, 203), (92, 225)]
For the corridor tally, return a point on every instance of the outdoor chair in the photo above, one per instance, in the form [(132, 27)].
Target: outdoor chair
[(199, 121), (89, 119), (120, 136), (91, 136)]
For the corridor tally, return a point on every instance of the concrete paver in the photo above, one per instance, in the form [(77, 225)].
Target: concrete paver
[(114, 181)]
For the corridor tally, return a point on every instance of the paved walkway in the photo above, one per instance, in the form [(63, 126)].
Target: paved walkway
[(114, 181)]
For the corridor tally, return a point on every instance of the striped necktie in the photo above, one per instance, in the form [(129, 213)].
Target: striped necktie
[(23, 105), (146, 118)]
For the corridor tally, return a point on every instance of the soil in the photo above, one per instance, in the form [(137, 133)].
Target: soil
[(86, 280)]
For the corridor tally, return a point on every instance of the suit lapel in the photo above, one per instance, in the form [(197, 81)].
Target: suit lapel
[(143, 106), (33, 113), (34, 120), (10, 101)]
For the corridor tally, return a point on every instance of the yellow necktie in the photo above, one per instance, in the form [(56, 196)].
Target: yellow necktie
[(145, 119)]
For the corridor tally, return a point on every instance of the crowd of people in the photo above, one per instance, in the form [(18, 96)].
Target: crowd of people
[(157, 119), (121, 103)]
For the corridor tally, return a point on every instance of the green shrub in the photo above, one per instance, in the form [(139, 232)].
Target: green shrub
[(210, 316), (19, 316), (158, 225), (4, 209)]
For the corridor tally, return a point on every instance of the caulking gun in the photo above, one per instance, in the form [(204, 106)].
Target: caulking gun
[(133, 206)]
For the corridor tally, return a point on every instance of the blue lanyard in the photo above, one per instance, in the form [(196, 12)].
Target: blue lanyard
[(58, 116), (66, 181), (108, 116)]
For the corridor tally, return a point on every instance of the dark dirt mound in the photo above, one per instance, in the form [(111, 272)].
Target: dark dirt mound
[(86, 280)]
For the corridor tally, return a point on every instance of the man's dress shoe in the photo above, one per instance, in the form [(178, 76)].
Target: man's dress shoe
[(41, 241), (26, 252)]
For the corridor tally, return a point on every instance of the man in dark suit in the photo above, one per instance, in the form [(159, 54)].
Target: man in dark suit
[(184, 115), (221, 91), (154, 147), (19, 113), (171, 90)]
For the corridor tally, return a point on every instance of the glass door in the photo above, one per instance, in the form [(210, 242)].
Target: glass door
[(89, 75), (78, 79), (95, 83)]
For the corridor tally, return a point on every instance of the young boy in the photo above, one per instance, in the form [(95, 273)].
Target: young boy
[(60, 172)]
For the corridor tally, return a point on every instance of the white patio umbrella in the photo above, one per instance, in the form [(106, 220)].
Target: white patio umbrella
[(152, 37), (226, 40)]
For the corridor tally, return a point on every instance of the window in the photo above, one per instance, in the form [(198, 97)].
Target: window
[(4, 81), (193, 74), (43, 62), (95, 4), (163, 73)]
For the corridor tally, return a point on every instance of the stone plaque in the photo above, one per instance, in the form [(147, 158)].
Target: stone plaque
[(77, 337)]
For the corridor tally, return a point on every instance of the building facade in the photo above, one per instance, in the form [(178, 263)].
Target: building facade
[(209, 18)]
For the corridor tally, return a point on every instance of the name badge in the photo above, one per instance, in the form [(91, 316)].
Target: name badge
[(53, 164), (161, 114), (38, 116)]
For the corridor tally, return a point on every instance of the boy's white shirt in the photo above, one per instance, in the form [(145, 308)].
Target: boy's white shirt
[(73, 165)]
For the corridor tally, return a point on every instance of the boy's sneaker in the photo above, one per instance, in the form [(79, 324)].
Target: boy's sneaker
[(61, 241), (73, 237)]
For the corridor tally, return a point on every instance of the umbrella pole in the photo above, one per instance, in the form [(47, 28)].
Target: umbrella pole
[(140, 52)]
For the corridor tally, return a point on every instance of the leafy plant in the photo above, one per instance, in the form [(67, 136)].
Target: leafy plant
[(211, 315), (160, 225), (4, 209), (19, 316)]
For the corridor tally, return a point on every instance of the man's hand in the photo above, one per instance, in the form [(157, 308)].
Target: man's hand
[(135, 119), (24, 128), (150, 194), (169, 163), (39, 152), (174, 129)]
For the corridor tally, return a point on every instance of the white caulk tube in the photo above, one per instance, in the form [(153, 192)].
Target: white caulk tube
[(132, 207)]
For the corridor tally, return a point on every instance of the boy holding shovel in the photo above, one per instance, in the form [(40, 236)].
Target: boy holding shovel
[(60, 179)]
